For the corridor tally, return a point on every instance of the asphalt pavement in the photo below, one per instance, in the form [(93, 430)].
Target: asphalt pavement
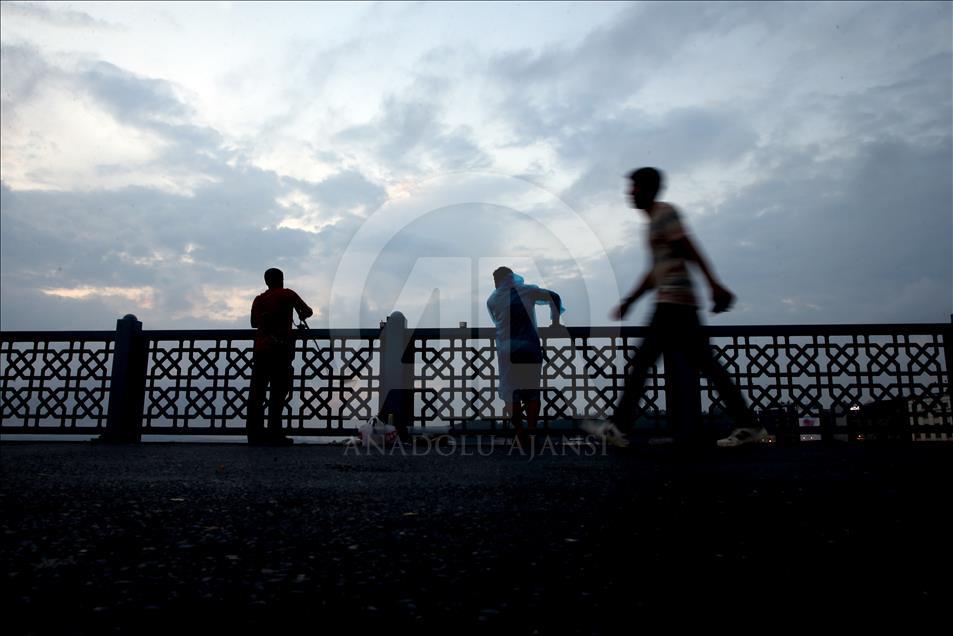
[(226, 538)]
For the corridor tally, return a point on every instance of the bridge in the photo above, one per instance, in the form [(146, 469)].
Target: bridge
[(150, 538), (830, 381)]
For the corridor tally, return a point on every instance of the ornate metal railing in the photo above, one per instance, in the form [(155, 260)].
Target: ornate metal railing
[(188, 382), (197, 381), (184, 382), (55, 381), (806, 369)]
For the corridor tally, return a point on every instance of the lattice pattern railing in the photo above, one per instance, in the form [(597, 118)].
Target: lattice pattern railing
[(456, 375), (197, 382), (809, 369), (55, 381), (835, 367)]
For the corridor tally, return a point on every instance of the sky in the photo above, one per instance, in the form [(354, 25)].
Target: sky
[(157, 158)]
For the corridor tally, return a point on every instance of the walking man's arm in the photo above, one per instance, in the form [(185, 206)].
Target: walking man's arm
[(722, 297), (647, 284)]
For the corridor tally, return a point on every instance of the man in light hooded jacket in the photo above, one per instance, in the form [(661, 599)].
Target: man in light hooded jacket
[(519, 351)]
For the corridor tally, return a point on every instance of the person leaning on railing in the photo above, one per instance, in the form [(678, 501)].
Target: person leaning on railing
[(271, 315), (519, 351)]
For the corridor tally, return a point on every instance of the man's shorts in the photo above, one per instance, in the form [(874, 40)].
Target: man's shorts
[(525, 378)]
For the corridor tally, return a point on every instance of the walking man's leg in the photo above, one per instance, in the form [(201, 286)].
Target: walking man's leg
[(627, 410), (746, 430), (730, 393), (622, 420)]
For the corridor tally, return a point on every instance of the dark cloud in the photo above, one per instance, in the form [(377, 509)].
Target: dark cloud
[(129, 97), (22, 70), (408, 133), (142, 103), (867, 238), (805, 57), (680, 140), (221, 234), (551, 93), (919, 105), (154, 105), (851, 222), (343, 191), (26, 308), (59, 16)]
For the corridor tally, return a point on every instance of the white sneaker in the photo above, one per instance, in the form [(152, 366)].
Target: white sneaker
[(606, 431), (741, 436)]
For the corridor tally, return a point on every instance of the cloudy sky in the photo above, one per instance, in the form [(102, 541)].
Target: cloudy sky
[(157, 158)]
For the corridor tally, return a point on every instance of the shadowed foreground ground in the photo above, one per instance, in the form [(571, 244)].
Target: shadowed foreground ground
[(225, 537)]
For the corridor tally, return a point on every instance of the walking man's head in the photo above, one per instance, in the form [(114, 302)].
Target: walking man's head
[(645, 185), (274, 278), (500, 275)]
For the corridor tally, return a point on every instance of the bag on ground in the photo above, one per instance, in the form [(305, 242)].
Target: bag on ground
[(376, 432)]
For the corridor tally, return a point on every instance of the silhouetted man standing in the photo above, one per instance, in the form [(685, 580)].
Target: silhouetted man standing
[(274, 352), (519, 352), (675, 325)]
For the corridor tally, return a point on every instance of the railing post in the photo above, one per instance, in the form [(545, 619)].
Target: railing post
[(948, 354), (128, 383), (682, 395), (948, 351), (397, 374)]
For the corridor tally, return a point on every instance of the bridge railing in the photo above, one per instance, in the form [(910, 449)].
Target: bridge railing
[(824, 371), (55, 381), (197, 381), (178, 382), (130, 382)]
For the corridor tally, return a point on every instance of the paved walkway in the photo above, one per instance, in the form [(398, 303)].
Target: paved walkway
[(192, 537)]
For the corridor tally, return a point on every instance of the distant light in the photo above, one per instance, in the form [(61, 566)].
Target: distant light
[(856, 407)]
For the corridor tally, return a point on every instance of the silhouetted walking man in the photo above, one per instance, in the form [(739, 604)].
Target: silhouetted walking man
[(518, 349), (675, 324), (274, 352)]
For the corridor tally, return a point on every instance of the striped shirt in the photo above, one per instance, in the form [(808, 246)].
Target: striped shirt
[(672, 282)]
